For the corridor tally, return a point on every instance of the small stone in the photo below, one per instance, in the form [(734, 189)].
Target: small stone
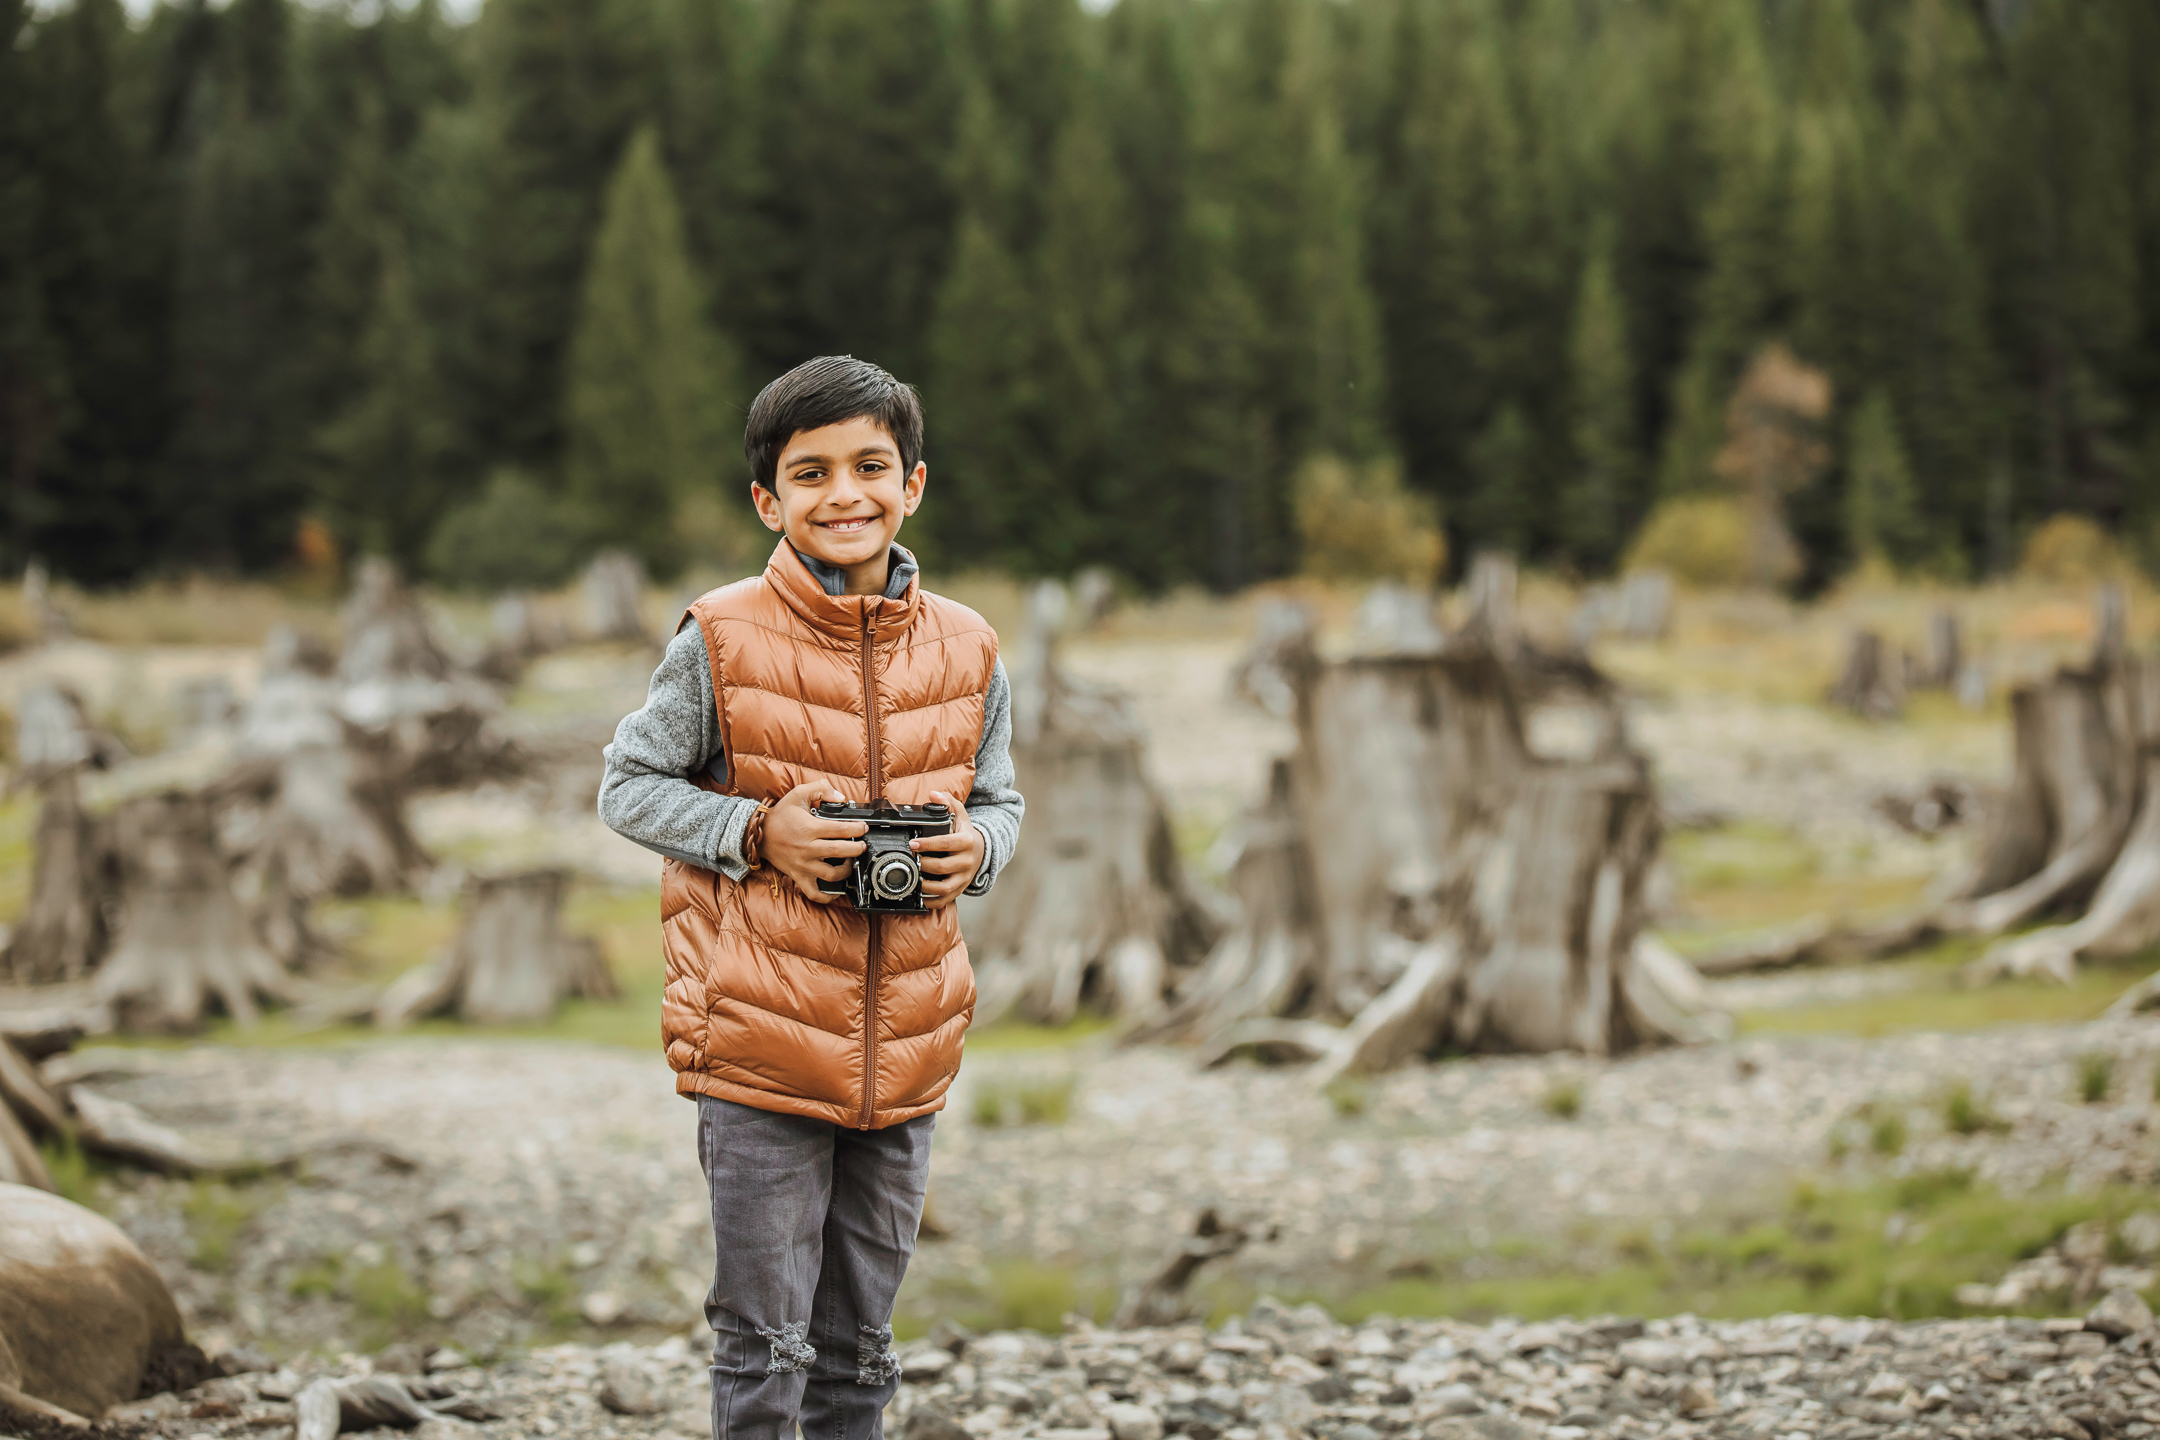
[(2083, 1343), (602, 1307), (628, 1389), (443, 1427), (923, 1362), (1357, 1432), (447, 1358), (1133, 1422), (1583, 1418), (2058, 1426), (1886, 1385), (281, 1386), (927, 1422), (1936, 1397), (1182, 1357), (242, 1360), (1696, 1398), (1453, 1400), (2121, 1312), (584, 1255), (1482, 1427), (1660, 1357)]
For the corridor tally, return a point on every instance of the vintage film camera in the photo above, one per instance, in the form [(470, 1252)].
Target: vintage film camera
[(887, 877)]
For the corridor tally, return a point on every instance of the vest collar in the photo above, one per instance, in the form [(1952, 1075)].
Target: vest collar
[(840, 617)]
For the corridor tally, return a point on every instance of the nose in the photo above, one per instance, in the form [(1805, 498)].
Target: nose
[(846, 488)]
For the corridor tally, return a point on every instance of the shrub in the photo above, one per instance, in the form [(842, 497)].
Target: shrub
[(1967, 1114), (514, 536), (1563, 1099), (2072, 550), (1359, 522), (1700, 539), (1029, 1102), (2096, 1077), (1887, 1133)]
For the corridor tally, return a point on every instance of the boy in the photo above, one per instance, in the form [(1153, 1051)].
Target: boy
[(818, 1041)]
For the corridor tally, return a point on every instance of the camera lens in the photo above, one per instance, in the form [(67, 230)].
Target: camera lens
[(894, 876)]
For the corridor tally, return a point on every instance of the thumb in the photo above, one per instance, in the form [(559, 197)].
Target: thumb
[(808, 794)]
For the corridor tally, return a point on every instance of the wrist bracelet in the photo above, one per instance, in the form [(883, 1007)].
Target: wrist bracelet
[(754, 834)]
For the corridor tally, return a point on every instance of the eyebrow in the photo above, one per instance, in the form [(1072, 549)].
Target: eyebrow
[(788, 462)]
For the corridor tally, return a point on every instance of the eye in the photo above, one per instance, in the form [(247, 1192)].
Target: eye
[(814, 472), (873, 467)]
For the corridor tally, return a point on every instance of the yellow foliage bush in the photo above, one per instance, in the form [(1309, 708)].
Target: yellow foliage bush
[(2070, 550), (1698, 539), (1360, 522)]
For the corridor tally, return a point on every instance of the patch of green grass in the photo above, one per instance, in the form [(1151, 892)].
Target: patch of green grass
[(1010, 1035), (1037, 1100), (1886, 1133), (1965, 1113), (1016, 1295), (389, 1301), (1895, 1248), (18, 827), (1349, 1095), (320, 1278), (548, 1287), (1563, 1098), (1745, 853), (75, 1175), (216, 1215), (1937, 1000), (2095, 1077)]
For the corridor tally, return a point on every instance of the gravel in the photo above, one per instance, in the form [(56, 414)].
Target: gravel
[(1295, 1374), (516, 1189)]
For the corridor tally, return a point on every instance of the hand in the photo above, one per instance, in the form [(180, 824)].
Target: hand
[(949, 862), (805, 846)]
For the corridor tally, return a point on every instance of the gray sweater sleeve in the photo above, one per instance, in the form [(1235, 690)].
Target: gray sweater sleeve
[(646, 794)]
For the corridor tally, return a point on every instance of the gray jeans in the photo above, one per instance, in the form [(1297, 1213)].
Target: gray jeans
[(813, 1225)]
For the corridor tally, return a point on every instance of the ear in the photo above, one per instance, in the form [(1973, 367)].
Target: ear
[(768, 508), (912, 492)]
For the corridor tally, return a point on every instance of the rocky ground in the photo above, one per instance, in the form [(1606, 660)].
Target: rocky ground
[(1280, 1373), (509, 1188)]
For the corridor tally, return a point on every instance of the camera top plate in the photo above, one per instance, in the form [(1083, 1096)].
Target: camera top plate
[(931, 819)]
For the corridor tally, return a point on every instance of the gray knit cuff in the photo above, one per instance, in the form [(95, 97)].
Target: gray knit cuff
[(1001, 834), (734, 824)]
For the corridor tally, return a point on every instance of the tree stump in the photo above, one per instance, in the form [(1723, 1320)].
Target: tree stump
[(1095, 909), (322, 801), (512, 963), (397, 684), (1872, 685), (1944, 660), (63, 931), (184, 937), (1418, 873), (613, 590)]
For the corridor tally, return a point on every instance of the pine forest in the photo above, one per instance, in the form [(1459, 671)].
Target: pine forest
[(1181, 281)]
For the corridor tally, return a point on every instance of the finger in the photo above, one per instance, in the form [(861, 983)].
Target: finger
[(840, 849), (946, 864), (838, 829), (932, 843), (811, 892)]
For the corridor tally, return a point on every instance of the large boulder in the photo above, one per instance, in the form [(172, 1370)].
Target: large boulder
[(83, 1316)]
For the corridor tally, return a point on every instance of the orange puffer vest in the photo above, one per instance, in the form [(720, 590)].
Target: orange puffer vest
[(773, 1001)]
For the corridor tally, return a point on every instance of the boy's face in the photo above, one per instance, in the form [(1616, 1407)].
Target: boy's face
[(839, 493)]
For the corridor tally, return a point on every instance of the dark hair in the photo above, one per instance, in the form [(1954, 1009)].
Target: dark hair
[(826, 391)]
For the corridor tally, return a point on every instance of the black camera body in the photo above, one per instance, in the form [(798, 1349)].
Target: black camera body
[(887, 878)]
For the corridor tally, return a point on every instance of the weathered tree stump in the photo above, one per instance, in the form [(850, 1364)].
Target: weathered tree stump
[(397, 684), (63, 932), (1162, 1298), (321, 800), (613, 589), (512, 963), (184, 938), (1944, 659), (1095, 910), (1418, 873), (1872, 685)]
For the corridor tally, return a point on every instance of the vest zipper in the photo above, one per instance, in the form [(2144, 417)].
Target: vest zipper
[(870, 958)]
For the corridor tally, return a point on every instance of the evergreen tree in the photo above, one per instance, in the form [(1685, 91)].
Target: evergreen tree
[(1601, 414), (647, 375), (561, 86), (855, 213), (386, 454), (1882, 520), (1504, 482)]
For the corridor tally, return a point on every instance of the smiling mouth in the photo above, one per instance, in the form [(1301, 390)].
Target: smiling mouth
[(846, 526)]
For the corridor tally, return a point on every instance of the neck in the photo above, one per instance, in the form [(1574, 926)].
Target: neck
[(870, 577)]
